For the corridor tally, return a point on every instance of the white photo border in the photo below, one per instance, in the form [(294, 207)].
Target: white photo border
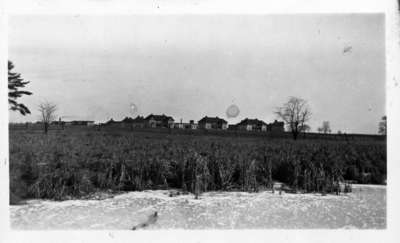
[(113, 7)]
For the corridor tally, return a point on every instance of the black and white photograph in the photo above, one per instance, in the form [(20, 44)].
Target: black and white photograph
[(146, 122)]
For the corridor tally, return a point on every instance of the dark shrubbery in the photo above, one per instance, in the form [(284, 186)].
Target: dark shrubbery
[(62, 165)]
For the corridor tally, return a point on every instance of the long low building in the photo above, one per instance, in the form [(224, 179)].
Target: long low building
[(258, 125), (213, 123), (73, 123), (151, 121), (276, 126), (183, 125), (252, 125), (159, 121)]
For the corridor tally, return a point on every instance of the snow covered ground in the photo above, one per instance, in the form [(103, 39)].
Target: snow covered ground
[(365, 207)]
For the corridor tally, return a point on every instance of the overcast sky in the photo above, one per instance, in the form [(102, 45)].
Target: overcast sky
[(188, 66)]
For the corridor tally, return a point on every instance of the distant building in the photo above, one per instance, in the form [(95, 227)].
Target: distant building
[(276, 126), (232, 127), (74, 123), (183, 125), (179, 125), (138, 122), (159, 121), (252, 125), (57, 123), (212, 123), (127, 120), (62, 124), (192, 125), (111, 122)]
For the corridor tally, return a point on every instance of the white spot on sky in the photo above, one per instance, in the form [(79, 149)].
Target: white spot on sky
[(232, 111)]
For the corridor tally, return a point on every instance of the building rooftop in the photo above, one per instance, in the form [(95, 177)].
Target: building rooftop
[(248, 121), (212, 120), (159, 117)]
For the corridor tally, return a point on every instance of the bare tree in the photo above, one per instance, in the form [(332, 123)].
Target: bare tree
[(47, 114), (296, 113), (382, 126), (326, 127)]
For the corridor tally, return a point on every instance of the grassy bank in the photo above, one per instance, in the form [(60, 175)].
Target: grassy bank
[(75, 163)]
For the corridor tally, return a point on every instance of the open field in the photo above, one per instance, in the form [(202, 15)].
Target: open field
[(364, 208), (72, 164), (201, 132)]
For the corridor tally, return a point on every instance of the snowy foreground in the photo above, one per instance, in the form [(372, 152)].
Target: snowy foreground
[(365, 207)]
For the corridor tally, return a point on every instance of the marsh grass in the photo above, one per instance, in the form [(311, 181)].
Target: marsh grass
[(74, 164)]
